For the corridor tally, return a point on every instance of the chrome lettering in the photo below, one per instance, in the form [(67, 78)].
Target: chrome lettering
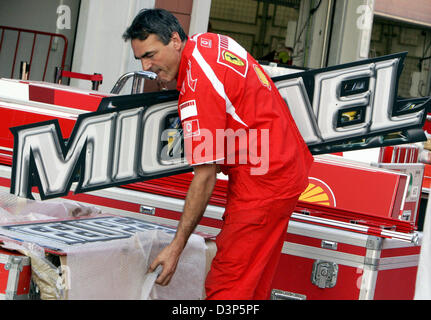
[(365, 91), (54, 165), (350, 106)]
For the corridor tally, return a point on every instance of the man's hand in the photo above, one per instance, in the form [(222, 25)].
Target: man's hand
[(168, 259), (198, 195)]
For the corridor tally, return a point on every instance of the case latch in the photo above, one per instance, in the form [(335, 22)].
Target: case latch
[(147, 210), (286, 295), (324, 274), (14, 262)]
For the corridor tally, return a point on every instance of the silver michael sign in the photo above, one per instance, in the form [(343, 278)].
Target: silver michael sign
[(139, 137)]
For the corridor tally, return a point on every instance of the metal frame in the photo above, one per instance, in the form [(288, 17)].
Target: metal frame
[(35, 34)]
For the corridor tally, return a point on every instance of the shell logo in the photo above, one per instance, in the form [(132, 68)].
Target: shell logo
[(318, 192)]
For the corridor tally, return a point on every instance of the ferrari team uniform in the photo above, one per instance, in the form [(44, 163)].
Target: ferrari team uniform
[(233, 115)]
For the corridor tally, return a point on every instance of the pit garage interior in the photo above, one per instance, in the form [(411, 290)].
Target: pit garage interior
[(84, 36)]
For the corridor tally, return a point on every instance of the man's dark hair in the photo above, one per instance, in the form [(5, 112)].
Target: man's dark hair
[(154, 21)]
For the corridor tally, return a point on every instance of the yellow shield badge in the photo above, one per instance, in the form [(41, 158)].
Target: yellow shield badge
[(231, 58), (262, 77)]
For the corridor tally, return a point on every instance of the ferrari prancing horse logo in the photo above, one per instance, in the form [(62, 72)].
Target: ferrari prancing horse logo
[(230, 57)]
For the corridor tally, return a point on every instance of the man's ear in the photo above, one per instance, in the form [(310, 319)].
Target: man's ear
[(176, 40)]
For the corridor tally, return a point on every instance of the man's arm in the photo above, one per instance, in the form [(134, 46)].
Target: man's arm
[(198, 195)]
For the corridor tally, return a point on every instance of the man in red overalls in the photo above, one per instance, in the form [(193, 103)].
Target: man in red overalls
[(234, 120)]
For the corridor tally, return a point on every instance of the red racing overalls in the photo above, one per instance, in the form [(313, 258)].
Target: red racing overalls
[(233, 115)]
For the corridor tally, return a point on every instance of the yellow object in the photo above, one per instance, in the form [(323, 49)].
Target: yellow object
[(315, 194), (230, 57)]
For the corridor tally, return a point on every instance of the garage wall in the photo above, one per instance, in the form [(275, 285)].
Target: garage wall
[(390, 36), (414, 11), (99, 45), (182, 9), (41, 16), (260, 27)]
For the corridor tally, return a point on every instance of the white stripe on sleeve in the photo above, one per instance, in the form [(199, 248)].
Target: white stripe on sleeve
[(216, 83)]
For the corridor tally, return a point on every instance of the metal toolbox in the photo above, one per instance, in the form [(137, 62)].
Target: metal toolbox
[(325, 259)]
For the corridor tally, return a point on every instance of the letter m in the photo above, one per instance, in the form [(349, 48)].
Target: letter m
[(42, 158)]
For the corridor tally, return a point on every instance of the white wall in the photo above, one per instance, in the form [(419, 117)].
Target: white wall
[(351, 34), (200, 16), (99, 45)]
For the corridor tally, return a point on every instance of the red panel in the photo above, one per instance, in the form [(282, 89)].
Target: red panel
[(399, 252), (24, 281), (4, 276), (427, 176), (88, 102), (351, 185), (294, 275), (83, 100), (6, 159), (396, 284), (14, 118), (5, 182), (41, 94), (386, 154), (427, 125)]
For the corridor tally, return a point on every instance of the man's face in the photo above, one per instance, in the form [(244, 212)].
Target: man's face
[(158, 57)]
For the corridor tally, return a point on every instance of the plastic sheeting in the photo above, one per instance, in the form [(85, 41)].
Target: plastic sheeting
[(116, 269), (423, 279), (15, 209)]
